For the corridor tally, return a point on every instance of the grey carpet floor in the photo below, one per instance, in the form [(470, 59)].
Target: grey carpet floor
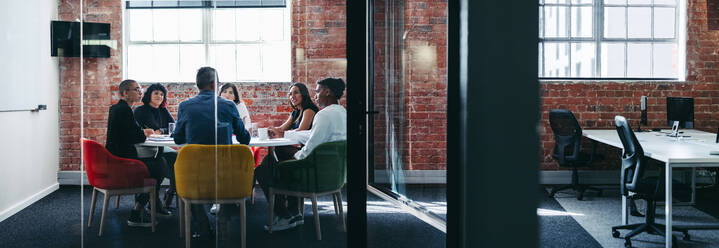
[(598, 214)]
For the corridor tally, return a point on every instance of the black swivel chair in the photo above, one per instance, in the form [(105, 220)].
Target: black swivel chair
[(650, 189), (567, 139)]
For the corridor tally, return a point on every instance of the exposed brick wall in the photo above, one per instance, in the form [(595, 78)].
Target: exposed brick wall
[(426, 83), (318, 32), (596, 103), (101, 76)]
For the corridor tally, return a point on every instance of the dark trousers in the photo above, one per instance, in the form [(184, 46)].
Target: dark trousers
[(157, 169), (285, 206)]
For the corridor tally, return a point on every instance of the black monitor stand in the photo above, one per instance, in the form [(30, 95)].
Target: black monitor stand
[(643, 121)]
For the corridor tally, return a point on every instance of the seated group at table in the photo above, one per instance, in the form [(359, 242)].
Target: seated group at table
[(198, 123)]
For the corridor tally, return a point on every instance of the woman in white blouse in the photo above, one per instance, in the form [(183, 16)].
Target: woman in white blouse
[(229, 92)]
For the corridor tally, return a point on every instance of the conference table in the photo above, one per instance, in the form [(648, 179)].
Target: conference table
[(254, 141), (691, 149)]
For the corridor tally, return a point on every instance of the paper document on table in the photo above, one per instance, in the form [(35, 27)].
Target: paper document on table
[(299, 136), (160, 139)]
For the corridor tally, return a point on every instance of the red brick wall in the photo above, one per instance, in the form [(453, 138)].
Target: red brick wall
[(101, 76), (596, 103), (318, 31), (318, 51), (426, 84)]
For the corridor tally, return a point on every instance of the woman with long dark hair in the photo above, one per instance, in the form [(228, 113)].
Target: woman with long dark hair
[(153, 114), (229, 92), (303, 111)]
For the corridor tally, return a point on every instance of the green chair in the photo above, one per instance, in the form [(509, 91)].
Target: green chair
[(323, 172)]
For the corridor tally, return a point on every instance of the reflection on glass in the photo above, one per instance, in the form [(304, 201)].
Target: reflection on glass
[(583, 59), (582, 21), (556, 59), (555, 23)]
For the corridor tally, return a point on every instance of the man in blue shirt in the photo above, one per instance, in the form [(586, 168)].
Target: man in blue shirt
[(197, 123), (196, 116)]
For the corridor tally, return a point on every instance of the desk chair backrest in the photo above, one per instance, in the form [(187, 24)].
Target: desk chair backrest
[(633, 161), (325, 169), (107, 171), (567, 136), (209, 172)]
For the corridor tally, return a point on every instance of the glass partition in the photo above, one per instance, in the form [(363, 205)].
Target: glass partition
[(408, 99)]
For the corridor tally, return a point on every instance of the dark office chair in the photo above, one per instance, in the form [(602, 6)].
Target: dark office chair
[(567, 139), (650, 189)]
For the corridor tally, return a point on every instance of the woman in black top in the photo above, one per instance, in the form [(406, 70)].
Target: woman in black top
[(154, 115), (303, 113)]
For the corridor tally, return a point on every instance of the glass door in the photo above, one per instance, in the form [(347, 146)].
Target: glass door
[(407, 96)]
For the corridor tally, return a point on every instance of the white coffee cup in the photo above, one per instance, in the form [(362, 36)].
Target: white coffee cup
[(262, 133)]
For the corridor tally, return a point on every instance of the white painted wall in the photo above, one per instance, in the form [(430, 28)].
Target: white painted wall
[(29, 141)]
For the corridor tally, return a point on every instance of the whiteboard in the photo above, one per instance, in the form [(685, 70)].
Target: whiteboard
[(25, 61)]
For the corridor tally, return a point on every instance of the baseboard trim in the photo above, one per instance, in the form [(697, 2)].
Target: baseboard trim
[(608, 177), (415, 176), (28, 201), (73, 178)]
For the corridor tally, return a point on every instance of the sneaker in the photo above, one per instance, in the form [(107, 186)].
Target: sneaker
[(297, 219), (281, 224), (139, 219), (215, 208)]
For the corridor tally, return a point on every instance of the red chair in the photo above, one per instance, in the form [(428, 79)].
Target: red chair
[(256, 154), (112, 175)]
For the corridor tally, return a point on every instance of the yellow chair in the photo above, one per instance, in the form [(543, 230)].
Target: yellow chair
[(213, 174)]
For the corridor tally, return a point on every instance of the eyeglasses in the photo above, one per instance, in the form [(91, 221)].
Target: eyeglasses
[(138, 89)]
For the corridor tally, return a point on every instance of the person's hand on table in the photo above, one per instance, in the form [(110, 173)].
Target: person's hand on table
[(148, 132), (158, 131), (274, 132)]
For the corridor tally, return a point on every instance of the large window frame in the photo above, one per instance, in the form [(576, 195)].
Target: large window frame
[(598, 38), (207, 42)]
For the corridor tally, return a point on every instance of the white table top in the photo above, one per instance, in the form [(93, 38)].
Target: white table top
[(254, 141), (694, 147)]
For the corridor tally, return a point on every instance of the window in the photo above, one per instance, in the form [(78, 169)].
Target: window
[(611, 39), (167, 41)]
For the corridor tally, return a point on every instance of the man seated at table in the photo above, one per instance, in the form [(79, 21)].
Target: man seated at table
[(196, 125), (122, 135), (329, 124)]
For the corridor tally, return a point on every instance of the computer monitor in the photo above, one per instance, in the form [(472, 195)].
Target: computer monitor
[(680, 109)]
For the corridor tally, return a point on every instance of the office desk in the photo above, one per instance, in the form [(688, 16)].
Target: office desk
[(685, 152)]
